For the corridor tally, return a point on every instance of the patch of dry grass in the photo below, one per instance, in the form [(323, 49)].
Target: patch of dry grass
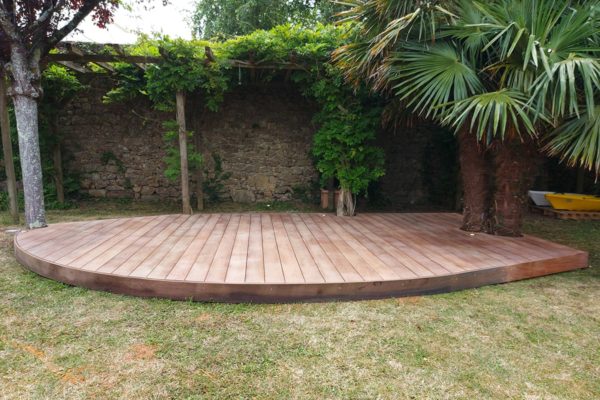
[(534, 339)]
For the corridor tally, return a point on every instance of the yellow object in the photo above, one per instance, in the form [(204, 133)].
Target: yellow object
[(573, 202)]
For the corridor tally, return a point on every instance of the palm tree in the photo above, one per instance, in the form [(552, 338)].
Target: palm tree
[(507, 75)]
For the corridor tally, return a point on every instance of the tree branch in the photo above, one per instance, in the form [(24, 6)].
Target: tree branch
[(79, 16), (8, 27), (45, 17)]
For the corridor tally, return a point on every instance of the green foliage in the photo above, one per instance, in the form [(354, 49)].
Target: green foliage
[(344, 150), (60, 86), (348, 119), (131, 83), (173, 159), (489, 68), (184, 68), (277, 44), (343, 145), (213, 183), (225, 18), (5, 204)]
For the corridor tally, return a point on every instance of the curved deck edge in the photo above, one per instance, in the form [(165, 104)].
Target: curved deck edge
[(278, 293)]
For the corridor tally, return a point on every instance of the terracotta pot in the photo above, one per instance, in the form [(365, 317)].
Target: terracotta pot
[(325, 198)]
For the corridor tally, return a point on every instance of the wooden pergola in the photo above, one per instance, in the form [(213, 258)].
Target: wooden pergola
[(73, 56)]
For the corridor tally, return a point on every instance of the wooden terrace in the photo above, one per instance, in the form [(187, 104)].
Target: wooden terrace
[(282, 257)]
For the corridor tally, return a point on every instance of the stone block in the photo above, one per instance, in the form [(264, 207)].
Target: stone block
[(97, 192), (243, 196)]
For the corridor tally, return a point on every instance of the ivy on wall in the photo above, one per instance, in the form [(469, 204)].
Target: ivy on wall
[(348, 118)]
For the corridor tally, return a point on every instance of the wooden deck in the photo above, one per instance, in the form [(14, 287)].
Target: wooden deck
[(285, 257)]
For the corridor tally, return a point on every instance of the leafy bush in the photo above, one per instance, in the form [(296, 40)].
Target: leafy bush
[(213, 182), (172, 159)]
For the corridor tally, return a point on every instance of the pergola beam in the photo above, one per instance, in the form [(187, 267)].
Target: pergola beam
[(65, 58)]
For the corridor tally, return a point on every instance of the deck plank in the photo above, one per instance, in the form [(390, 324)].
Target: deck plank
[(236, 271), (407, 248), (84, 243), (328, 270), (255, 263), (361, 246), (182, 268), (272, 261), (201, 265), (366, 271), (130, 247), (98, 261), (279, 257), (338, 260), (292, 272), (176, 250), (156, 257), (220, 263), (150, 246), (100, 250), (379, 249)]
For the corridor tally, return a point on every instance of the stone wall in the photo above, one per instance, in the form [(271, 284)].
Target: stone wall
[(262, 134)]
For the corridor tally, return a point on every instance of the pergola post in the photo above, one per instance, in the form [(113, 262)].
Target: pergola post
[(185, 179), (11, 179)]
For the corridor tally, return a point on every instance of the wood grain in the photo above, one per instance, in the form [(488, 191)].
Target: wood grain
[(285, 257)]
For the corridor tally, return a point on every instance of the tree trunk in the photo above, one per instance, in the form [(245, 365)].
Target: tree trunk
[(9, 166), (514, 162), (185, 179), (474, 169), (26, 111), (346, 204), (26, 90)]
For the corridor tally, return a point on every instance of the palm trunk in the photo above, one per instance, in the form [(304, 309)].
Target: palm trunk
[(474, 168), (514, 162)]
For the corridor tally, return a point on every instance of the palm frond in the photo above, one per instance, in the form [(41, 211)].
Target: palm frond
[(577, 141), (571, 82), (492, 114), (431, 76)]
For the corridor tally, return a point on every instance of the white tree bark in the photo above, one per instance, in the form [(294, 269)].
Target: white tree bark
[(25, 95), (26, 111)]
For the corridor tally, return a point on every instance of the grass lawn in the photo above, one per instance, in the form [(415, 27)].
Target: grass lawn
[(535, 339)]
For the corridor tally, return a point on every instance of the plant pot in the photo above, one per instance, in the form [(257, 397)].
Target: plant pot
[(325, 198)]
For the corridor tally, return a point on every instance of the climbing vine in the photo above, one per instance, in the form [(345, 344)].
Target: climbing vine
[(348, 118)]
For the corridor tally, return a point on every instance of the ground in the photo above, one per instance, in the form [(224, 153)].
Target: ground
[(535, 339)]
